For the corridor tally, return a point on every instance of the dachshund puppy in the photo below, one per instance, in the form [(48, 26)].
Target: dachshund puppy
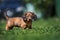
[(29, 16), (15, 22)]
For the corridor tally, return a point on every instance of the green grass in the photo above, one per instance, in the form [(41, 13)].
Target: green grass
[(41, 30)]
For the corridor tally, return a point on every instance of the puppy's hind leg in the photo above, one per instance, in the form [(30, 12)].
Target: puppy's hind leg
[(8, 27)]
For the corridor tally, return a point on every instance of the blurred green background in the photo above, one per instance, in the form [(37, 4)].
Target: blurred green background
[(46, 27)]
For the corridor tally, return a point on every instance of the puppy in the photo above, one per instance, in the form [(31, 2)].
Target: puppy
[(15, 22), (29, 16)]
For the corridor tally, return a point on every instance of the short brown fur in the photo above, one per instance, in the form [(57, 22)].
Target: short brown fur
[(16, 21)]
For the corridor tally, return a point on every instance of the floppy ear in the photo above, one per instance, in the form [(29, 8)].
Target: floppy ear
[(24, 18), (34, 16)]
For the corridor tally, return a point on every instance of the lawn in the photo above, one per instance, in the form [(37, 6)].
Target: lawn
[(42, 29)]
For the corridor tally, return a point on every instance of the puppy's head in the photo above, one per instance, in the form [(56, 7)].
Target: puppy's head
[(30, 16)]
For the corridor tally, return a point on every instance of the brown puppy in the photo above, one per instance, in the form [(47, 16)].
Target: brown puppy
[(29, 16), (15, 21)]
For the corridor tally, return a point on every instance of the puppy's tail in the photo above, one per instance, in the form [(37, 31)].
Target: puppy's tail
[(6, 16)]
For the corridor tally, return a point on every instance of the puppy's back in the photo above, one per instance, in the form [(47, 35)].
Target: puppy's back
[(16, 21)]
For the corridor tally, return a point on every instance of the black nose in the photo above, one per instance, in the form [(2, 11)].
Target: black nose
[(30, 19)]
